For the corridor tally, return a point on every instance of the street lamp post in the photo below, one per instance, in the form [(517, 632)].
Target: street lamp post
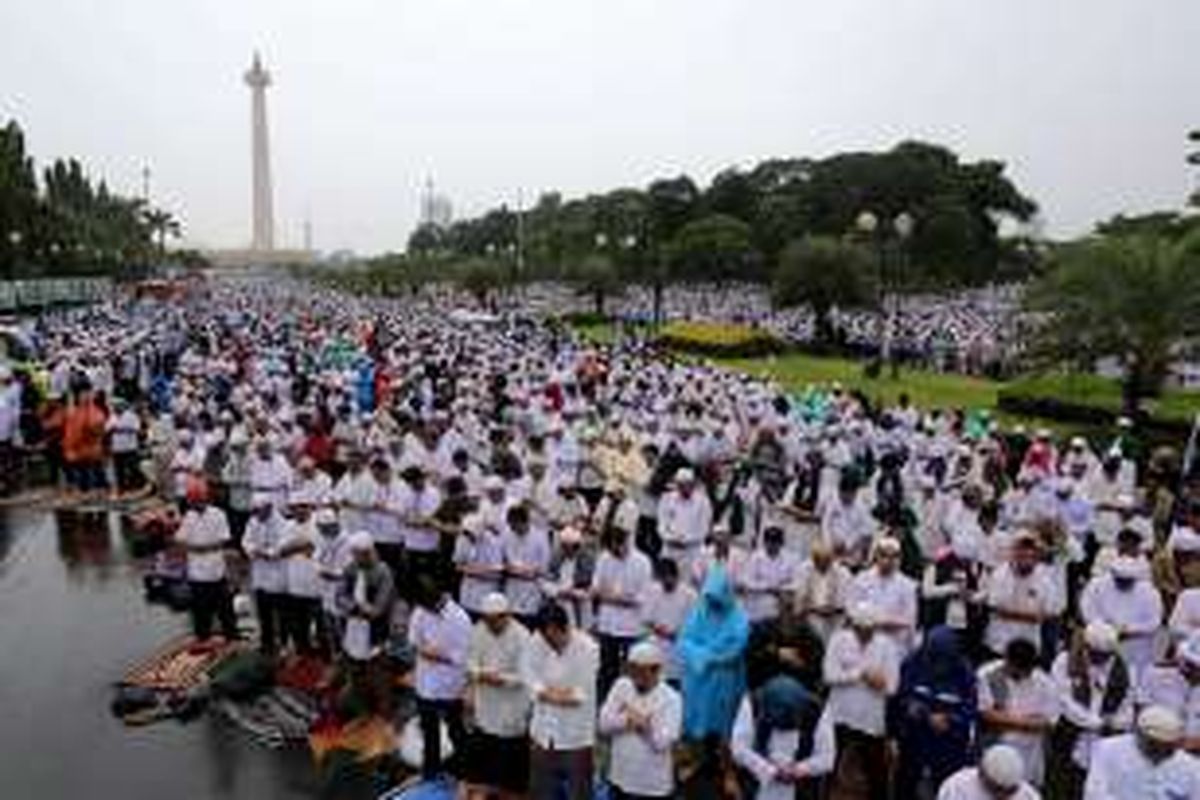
[(901, 228)]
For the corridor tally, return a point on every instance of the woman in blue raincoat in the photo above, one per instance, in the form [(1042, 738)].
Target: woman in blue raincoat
[(712, 647)]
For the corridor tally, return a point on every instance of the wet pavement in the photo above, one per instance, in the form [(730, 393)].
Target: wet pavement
[(72, 619)]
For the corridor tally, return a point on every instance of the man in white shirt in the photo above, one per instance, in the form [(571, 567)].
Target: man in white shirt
[(685, 518), (1096, 695), (419, 500), (846, 524), (499, 763), (862, 669), (891, 593), (1177, 685), (526, 559), (1021, 596), (333, 557), (1126, 599), (1147, 764), (784, 741), (203, 534), (302, 603), (768, 575), (560, 671), (1018, 705), (262, 544), (124, 432), (270, 475), (821, 591), (999, 776), (440, 634), (643, 716), (665, 608), (621, 578)]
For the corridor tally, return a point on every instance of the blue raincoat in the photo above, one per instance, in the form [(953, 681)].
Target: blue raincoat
[(712, 646)]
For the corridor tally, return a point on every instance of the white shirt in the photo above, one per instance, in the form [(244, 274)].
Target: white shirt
[(448, 631), (1089, 718), (642, 763), (314, 491), (781, 751), (417, 506), (683, 523), (1165, 685), (966, 785), (261, 543), (333, 557), (1120, 772), (822, 590), (851, 701), (124, 429), (530, 551), (557, 727), (499, 710), (848, 529), (1034, 696), (483, 551), (272, 477), (894, 596), (1136, 614), (208, 528), (387, 504), (763, 578), (353, 493), (303, 579), (625, 578), (1030, 593), (668, 611)]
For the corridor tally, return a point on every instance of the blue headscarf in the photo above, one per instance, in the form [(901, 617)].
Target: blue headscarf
[(712, 646)]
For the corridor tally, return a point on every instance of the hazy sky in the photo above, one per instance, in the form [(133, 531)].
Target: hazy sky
[(1087, 100)]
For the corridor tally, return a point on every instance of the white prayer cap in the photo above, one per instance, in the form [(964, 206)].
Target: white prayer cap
[(261, 500), (685, 475), (1188, 650), (493, 483), (646, 654), (325, 516), (927, 482), (494, 605), (1184, 540), (1124, 422), (1043, 433), (887, 546), (1125, 567), (864, 613), (1161, 723), (1100, 637), (361, 542), (1078, 442), (1003, 766), (570, 535)]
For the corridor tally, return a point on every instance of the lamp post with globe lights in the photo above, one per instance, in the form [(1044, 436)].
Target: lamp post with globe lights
[(897, 235)]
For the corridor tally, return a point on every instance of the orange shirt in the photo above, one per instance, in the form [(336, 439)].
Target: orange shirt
[(83, 434)]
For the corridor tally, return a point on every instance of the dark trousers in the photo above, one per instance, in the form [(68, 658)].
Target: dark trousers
[(270, 612), (211, 599), (237, 524), (613, 650), (394, 556), (299, 615), (558, 774), (87, 476), (128, 473), (432, 714), (869, 753)]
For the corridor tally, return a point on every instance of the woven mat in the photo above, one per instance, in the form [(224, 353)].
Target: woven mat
[(178, 666)]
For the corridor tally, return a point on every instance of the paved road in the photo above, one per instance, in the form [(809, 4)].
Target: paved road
[(71, 619)]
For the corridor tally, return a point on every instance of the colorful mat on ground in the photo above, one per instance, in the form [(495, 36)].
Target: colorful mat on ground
[(368, 737), (180, 665)]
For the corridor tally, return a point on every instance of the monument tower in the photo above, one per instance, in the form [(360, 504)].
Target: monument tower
[(258, 79)]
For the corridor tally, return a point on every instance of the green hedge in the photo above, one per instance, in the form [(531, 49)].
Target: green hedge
[(1092, 399), (719, 339)]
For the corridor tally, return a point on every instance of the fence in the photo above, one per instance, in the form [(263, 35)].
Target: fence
[(31, 294)]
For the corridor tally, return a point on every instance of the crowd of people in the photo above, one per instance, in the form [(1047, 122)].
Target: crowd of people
[(604, 565)]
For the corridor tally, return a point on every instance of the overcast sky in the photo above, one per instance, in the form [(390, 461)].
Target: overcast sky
[(1088, 101)]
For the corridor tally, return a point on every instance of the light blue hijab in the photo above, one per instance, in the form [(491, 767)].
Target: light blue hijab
[(712, 646)]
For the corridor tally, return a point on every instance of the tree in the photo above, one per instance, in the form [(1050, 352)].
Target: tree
[(823, 272), (1132, 297), (716, 248), (596, 276), (482, 278), (161, 224)]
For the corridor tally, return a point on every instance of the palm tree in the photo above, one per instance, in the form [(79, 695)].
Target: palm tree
[(1135, 298), (162, 223)]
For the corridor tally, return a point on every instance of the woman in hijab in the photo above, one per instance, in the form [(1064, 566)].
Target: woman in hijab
[(933, 712), (712, 646)]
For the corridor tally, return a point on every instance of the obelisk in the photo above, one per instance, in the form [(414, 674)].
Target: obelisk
[(258, 79)]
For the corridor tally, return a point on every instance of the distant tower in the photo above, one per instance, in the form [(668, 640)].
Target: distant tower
[(258, 79)]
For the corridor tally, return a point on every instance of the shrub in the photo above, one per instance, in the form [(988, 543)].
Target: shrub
[(719, 339)]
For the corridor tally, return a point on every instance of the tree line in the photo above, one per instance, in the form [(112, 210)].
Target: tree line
[(751, 224), (67, 223)]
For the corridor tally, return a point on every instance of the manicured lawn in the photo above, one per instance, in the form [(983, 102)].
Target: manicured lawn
[(796, 371)]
